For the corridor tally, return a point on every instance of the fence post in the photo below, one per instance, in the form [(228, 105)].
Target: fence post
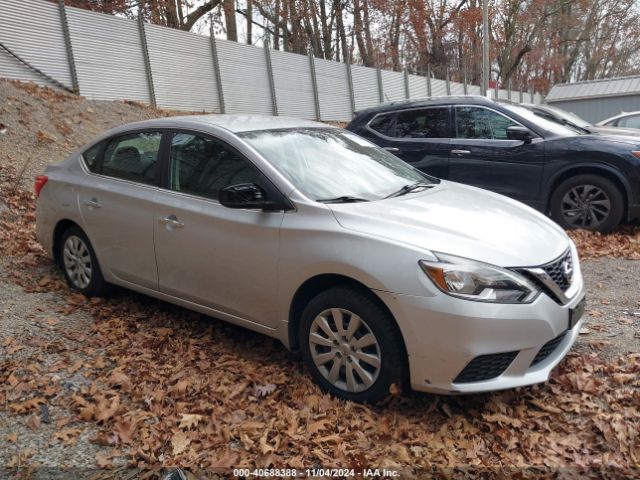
[(448, 81), (216, 67), (380, 90), (314, 83), (429, 80), (147, 61), (407, 92), (352, 94), (496, 89), (521, 96), (272, 83), (464, 80), (67, 44), (531, 95), (509, 90)]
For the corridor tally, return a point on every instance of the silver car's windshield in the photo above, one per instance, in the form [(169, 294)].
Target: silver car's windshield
[(332, 164), (548, 125)]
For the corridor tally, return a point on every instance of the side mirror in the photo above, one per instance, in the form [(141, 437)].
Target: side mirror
[(246, 195), (518, 132)]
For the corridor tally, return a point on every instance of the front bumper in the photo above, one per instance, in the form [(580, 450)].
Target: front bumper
[(444, 334)]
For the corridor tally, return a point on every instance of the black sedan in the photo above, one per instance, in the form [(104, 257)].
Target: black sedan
[(583, 181)]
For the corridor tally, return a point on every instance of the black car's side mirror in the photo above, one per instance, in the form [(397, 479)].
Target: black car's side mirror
[(518, 132), (247, 195)]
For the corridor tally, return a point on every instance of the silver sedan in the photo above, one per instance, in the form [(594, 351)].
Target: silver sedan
[(380, 275)]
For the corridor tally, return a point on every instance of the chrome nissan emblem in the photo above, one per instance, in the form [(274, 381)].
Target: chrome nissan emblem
[(567, 270)]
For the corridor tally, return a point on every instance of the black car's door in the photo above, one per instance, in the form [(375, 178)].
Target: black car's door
[(418, 136), (482, 155)]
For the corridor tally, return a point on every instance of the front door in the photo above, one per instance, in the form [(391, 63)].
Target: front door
[(218, 257), (483, 156), (117, 207)]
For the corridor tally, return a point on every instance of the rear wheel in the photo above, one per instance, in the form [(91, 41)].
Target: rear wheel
[(587, 201), (351, 346), (80, 264)]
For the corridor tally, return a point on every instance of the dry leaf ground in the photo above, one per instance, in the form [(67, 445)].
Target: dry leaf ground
[(130, 382)]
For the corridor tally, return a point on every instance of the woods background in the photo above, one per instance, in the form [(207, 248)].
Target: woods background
[(534, 43)]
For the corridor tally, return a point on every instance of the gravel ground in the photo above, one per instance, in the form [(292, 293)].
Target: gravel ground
[(612, 329)]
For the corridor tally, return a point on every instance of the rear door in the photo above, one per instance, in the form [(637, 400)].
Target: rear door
[(117, 204), (419, 136), (483, 156), (218, 257)]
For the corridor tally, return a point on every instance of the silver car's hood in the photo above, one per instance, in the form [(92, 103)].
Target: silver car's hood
[(460, 220)]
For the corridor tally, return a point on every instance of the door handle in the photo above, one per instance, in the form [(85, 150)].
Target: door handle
[(171, 221), (93, 203), (460, 152), (392, 149)]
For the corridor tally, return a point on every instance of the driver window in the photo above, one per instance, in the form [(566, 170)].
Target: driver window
[(203, 166), (133, 157), (481, 123)]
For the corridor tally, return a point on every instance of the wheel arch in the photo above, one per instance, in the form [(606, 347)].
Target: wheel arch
[(58, 231), (593, 169), (319, 283)]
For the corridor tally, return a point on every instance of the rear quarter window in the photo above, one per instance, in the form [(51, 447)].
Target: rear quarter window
[(92, 156)]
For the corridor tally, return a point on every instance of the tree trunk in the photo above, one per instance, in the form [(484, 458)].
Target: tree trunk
[(230, 20)]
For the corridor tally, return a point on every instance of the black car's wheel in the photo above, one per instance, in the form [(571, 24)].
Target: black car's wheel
[(79, 263), (351, 346), (587, 201)]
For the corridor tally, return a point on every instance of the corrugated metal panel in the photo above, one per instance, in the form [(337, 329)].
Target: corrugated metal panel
[(365, 86), (595, 110), (294, 88), (595, 88), (245, 79), (108, 56), (418, 86), (182, 68), (438, 88), (503, 94), (393, 86), (457, 88), (474, 90), (33, 31), (333, 90)]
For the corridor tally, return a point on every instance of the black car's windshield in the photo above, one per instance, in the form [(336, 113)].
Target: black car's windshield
[(548, 125), (334, 166)]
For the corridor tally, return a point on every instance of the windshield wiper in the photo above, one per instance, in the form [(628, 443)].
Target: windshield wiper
[(342, 199), (409, 188)]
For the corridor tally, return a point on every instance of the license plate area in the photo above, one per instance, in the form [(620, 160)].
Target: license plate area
[(575, 314)]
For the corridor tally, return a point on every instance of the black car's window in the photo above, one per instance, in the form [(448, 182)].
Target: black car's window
[(92, 157), (423, 123), (381, 123), (476, 122), (203, 166), (632, 121), (133, 157)]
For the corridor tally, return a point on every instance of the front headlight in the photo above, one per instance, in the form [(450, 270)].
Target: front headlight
[(477, 281)]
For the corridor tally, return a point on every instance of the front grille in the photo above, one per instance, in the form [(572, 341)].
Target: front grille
[(548, 348), (485, 367), (556, 272)]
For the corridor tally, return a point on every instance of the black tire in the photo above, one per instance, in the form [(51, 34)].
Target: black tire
[(389, 345), (595, 190), (96, 285)]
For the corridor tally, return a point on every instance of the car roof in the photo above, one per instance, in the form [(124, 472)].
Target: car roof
[(427, 102), (233, 123)]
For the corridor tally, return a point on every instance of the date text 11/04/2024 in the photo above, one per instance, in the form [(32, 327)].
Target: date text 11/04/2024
[(315, 472)]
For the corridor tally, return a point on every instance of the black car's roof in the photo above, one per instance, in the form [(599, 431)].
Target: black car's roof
[(427, 102)]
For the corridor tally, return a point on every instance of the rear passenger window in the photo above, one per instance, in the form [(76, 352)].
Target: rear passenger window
[(92, 157), (381, 124), (424, 123), (133, 157), (632, 121), (203, 166)]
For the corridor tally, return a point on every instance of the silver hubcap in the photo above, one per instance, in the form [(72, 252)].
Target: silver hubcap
[(585, 206), (77, 261), (345, 350)]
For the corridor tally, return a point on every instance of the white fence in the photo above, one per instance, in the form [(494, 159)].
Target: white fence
[(103, 57)]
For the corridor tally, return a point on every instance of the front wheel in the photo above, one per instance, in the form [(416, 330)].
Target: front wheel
[(352, 346), (590, 202)]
